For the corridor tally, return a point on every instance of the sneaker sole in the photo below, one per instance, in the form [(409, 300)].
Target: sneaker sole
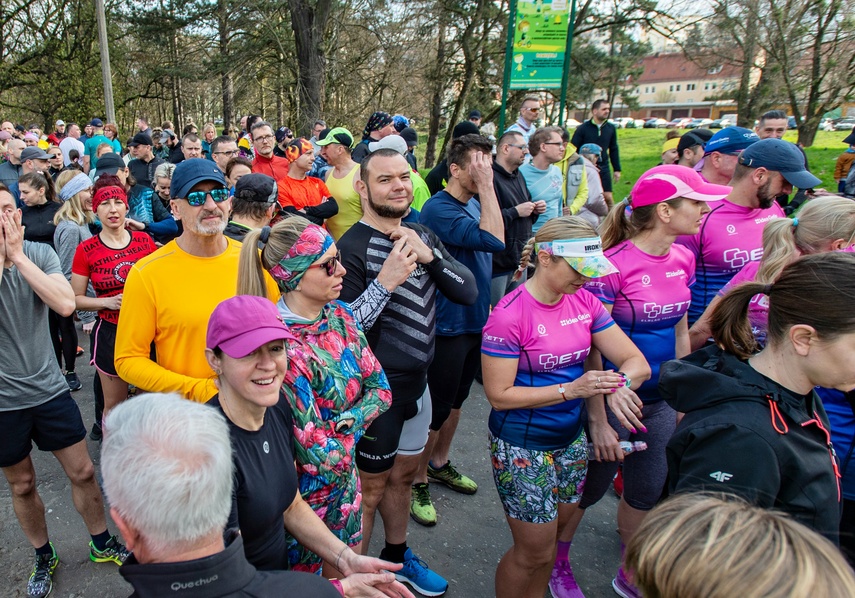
[(555, 592), (100, 559), (460, 489), (620, 592), (420, 590)]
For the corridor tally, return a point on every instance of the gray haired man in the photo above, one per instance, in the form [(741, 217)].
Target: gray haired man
[(167, 467)]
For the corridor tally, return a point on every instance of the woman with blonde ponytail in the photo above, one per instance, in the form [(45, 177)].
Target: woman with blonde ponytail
[(648, 298), (533, 354), (334, 384), (753, 424), (823, 224)]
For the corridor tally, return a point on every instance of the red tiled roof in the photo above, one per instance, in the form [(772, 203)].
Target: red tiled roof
[(676, 67)]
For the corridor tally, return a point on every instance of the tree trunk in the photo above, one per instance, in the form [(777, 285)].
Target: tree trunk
[(436, 96), (309, 22), (226, 81)]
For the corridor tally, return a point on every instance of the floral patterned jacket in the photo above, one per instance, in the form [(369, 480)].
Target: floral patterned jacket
[(332, 376)]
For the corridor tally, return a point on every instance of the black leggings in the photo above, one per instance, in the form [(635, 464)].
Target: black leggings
[(63, 335), (450, 376), (644, 472)]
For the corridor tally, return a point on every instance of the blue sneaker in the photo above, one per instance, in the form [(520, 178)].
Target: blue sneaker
[(417, 574)]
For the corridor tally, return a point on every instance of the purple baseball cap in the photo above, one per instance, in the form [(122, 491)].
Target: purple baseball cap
[(242, 324)]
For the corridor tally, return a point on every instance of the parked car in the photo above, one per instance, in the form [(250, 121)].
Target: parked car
[(571, 123), (623, 122), (639, 123), (678, 123), (715, 124), (655, 123), (844, 124), (698, 122), (791, 122)]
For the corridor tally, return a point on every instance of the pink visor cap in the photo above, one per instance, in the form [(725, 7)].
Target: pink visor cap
[(242, 324), (670, 181)]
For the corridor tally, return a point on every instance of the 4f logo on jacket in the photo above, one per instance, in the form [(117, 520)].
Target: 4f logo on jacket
[(721, 476)]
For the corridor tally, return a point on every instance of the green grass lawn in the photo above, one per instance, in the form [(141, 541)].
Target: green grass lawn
[(640, 149)]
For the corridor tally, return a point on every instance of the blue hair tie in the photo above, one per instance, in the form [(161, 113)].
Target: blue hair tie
[(795, 222)]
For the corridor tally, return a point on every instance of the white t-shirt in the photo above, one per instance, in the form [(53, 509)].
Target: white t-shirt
[(68, 144)]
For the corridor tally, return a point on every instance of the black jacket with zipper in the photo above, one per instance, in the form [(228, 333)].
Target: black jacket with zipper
[(511, 191), (746, 435)]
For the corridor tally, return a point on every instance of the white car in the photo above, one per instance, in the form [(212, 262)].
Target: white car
[(571, 123)]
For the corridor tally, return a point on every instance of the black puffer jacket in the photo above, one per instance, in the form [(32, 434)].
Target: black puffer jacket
[(746, 435)]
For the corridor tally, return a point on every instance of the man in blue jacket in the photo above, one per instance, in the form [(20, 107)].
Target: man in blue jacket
[(471, 230)]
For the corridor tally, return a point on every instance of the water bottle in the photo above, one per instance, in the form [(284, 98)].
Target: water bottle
[(625, 445)]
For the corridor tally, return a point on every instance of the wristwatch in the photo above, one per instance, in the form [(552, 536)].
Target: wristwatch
[(626, 379), (437, 257), (561, 390)]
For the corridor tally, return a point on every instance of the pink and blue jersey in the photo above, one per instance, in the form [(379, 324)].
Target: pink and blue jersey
[(758, 309), (649, 295), (730, 237), (551, 343)]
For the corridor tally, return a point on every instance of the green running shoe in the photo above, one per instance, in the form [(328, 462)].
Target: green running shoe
[(421, 507), (452, 478)]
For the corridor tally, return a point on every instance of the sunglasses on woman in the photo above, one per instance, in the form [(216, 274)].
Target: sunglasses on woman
[(330, 265), (199, 198)]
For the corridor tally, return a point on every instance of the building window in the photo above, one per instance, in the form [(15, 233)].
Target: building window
[(690, 87), (678, 87), (646, 90), (706, 86), (671, 88), (714, 85), (653, 89)]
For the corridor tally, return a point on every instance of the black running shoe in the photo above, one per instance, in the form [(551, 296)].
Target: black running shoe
[(73, 381), (96, 434), (41, 579)]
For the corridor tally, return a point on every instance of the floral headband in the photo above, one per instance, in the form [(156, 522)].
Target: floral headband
[(313, 242)]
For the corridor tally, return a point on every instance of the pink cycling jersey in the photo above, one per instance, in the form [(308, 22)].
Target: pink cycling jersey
[(758, 309), (730, 237), (649, 296), (550, 343)]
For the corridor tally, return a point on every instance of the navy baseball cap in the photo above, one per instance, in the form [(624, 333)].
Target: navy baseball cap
[(110, 163), (780, 156), (96, 122), (192, 171), (731, 140), (256, 187)]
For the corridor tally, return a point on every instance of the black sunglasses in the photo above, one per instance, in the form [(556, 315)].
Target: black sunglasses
[(330, 265)]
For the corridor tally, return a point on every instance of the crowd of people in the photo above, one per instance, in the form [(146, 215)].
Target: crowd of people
[(286, 329)]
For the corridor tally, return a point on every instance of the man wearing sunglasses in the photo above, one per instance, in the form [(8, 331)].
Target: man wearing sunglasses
[(170, 294), (529, 113)]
